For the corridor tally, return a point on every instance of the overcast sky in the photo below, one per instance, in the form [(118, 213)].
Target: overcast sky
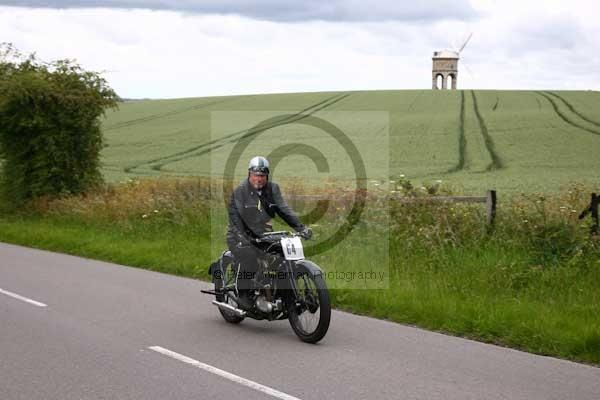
[(190, 48)]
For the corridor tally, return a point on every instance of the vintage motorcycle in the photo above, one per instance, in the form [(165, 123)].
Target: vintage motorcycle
[(288, 287)]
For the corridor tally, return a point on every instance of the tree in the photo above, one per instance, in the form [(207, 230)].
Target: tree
[(50, 137)]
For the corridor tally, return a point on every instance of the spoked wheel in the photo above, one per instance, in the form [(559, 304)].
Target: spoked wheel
[(311, 313), (227, 279)]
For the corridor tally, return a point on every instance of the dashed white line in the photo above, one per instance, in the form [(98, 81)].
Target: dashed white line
[(25, 299), (224, 374)]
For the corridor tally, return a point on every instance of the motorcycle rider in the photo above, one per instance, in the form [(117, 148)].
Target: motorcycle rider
[(253, 204)]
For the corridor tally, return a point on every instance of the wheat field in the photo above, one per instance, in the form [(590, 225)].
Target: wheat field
[(471, 140)]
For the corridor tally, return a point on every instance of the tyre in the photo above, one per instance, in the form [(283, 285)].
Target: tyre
[(310, 313), (227, 279)]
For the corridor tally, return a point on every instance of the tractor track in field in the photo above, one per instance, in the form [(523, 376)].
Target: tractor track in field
[(462, 140), (157, 163), (565, 117), (489, 142), (414, 101), (247, 134), (137, 121), (573, 110), (496, 104)]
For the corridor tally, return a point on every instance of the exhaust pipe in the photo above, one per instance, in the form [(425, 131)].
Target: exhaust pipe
[(237, 311)]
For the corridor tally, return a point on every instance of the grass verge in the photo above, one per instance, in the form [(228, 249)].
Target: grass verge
[(531, 285)]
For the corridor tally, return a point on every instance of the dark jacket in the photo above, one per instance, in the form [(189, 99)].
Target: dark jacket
[(251, 212)]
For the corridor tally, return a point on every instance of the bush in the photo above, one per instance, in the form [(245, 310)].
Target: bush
[(50, 137)]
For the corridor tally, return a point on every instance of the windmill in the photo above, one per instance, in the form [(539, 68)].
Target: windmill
[(462, 62), (445, 67)]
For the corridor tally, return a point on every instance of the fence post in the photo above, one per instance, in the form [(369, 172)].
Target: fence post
[(594, 210), (490, 204)]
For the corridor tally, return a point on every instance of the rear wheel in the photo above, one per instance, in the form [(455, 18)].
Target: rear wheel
[(227, 279), (310, 313)]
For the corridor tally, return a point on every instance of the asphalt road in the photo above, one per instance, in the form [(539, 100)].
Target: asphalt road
[(109, 332)]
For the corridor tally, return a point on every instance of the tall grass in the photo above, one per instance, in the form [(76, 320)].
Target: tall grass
[(530, 283)]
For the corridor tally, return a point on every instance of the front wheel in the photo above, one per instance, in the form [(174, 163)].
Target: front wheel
[(310, 312)]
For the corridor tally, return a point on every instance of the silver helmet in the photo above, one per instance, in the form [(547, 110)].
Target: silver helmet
[(259, 165)]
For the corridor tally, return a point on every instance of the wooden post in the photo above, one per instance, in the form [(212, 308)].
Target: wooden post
[(594, 210), (490, 205)]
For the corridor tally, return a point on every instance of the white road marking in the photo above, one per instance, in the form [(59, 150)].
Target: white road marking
[(224, 374), (25, 299)]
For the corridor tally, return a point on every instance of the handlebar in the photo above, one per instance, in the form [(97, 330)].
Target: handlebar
[(270, 237)]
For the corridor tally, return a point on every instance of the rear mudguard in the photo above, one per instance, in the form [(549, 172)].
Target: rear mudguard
[(220, 265)]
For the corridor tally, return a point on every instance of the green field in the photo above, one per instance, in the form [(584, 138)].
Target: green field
[(515, 141)]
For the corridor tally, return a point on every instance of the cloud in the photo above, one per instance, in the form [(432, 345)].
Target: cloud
[(151, 53), (284, 10)]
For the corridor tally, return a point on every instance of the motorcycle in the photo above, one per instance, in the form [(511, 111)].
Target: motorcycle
[(287, 287)]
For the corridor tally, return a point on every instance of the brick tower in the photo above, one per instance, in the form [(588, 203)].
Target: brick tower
[(445, 65)]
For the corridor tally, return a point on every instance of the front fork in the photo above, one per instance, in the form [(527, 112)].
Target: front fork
[(294, 294)]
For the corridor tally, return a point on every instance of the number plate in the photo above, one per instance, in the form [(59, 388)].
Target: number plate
[(292, 248)]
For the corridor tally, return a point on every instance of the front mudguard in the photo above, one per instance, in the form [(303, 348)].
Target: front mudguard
[(307, 266), (301, 268)]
